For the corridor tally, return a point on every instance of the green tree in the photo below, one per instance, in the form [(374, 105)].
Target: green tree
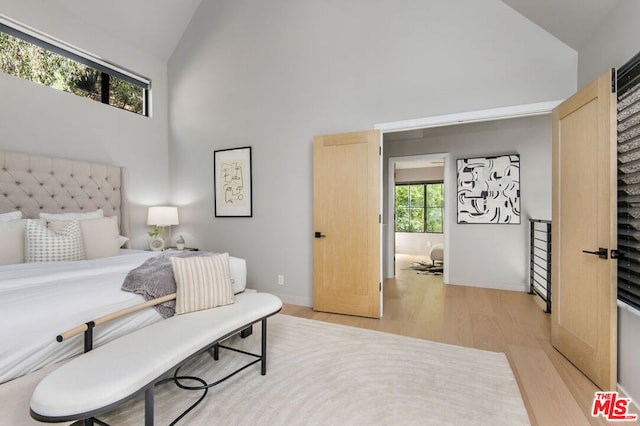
[(34, 63)]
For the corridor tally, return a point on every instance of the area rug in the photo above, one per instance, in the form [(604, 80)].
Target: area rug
[(425, 268), (326, 374)]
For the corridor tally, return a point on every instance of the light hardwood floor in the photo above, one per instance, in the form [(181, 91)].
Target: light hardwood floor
[(553, 390)]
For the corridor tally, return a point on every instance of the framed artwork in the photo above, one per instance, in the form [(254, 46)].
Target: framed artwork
[(232, 182), (489, 190)]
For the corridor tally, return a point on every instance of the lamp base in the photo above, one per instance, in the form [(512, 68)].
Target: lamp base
[(156, 244)]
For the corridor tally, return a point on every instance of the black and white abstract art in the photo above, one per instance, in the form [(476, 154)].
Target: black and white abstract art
[(489, 190)]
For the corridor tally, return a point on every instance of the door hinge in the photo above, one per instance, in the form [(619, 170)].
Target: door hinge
[(379, 218), (380, 151), (614, 81), (380, 287)]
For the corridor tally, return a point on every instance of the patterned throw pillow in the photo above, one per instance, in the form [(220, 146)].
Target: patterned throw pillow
[(202, 282), (99, 236), (45, 245)]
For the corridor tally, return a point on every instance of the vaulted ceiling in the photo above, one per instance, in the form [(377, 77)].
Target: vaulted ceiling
[(571, 21), (158, 25)]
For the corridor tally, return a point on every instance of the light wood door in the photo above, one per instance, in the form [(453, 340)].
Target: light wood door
[(346, 220), (584, 288)]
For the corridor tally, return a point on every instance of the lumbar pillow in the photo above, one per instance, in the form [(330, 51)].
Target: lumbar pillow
[(72, 215), (12, 237), (202, 282), (45, 245), (8, 217), (100, 236)]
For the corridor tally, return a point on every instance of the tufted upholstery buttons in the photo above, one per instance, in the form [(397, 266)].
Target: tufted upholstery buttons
[(35, 186)]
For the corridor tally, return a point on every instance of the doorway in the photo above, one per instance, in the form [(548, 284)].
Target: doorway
[(404, 138), (417, 169)]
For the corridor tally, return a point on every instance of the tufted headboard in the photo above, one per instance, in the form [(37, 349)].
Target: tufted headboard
[(34, 184)]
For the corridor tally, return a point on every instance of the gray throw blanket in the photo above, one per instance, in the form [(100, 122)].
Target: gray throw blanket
[(154, 278)]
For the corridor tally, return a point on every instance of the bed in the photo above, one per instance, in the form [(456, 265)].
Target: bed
[(32, 185), (39, 300)]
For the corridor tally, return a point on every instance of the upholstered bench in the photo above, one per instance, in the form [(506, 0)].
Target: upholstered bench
[(97, 381)]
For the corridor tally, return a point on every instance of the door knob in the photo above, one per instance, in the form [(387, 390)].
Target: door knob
[(319, 235), (602, 253)]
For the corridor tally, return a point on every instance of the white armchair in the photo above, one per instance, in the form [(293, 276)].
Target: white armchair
[(437, 253)]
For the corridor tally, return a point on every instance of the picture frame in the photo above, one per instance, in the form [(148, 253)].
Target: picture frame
[(232, 182), (489, 190)]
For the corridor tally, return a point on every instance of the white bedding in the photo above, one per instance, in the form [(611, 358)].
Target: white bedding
[(38, 301)]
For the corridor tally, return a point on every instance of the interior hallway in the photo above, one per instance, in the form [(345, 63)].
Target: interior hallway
[(421, 306)]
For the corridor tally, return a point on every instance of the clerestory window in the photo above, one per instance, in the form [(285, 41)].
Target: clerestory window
[(32, 56)]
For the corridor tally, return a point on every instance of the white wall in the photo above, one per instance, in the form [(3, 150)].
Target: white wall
[(415, 243), (615, 42), (422, 174), (41, 120), (494, 256), (274, 74)]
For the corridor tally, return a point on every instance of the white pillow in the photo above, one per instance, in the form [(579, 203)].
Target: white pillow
[(45, 245), (12, 238), (202, 282), (99, 236), (72, 215), (122, 240), (8, 217)]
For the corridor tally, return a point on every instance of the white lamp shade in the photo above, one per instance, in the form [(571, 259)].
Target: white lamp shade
[(163, 216)]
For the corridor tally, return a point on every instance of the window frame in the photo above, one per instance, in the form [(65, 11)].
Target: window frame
[(63, 49), (425, 207)]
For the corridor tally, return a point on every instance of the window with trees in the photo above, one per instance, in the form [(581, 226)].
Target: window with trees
[(34, 57), (420, 207)]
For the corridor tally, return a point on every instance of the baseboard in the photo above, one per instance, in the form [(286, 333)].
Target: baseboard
[(295, 300), (624, 394)]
